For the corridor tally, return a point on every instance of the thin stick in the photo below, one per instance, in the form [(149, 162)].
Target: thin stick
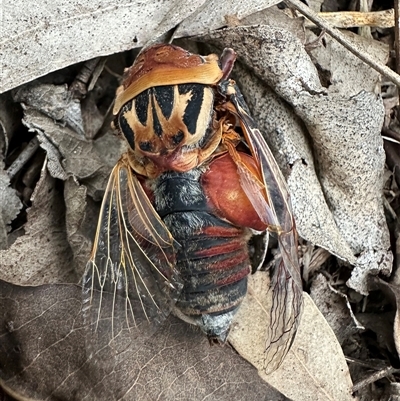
[(23, 157), (354, 19), (375, 377), (336, 34), (396, 35)]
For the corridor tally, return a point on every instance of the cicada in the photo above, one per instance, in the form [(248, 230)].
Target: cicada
[(181, 204)]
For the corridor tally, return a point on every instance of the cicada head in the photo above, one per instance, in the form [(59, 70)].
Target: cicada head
[(164, 109)]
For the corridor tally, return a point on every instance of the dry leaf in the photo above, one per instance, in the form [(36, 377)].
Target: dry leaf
[(10, 121), (348, 75), (54, 101), (314, 369), (43, 354), (68, 32), (335, 308), (214, 14), (10, 204), (275, 17), (69, 153), (80, 225), (42, 255)]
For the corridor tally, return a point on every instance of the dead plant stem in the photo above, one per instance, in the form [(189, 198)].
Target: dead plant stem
[(343, 40)]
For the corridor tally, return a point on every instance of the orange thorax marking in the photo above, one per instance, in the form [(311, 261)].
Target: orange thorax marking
[(225, 195)]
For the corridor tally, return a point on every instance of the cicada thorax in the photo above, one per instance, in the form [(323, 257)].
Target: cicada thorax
[(164, 108), (170, 128)]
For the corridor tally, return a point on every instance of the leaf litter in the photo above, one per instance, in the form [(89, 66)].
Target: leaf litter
[(322, 112)]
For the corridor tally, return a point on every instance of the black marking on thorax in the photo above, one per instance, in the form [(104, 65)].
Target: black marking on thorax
[(164, 96), (124, 126), (156, 122), (194, 106)]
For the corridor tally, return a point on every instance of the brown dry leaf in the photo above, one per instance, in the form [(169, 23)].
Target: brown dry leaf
[(43, 349), (314, 368), (347, 147), (42, 255)]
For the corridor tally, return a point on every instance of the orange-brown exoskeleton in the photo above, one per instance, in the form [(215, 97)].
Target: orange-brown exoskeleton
[(181, 204)]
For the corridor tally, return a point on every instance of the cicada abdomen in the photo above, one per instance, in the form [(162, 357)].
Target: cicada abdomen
[(197, 181), (207, 212)]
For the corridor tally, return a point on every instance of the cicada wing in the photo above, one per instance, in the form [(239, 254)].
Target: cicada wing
[(271, 201), (130, 278), (287, 304)]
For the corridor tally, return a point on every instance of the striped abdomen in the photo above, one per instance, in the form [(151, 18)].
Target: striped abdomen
[(213, 259)]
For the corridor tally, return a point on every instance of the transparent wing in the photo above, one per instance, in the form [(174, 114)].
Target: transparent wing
[(132, 261), (271, 200)]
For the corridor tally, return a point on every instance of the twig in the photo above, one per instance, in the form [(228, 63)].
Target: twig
[(375, 377), (78, 88), (96, 73), (364, 31), (393, 159), (388, 138), (396, 35), (354, 19), (364, 364), (23, 157), (336, 34), (391, 133)]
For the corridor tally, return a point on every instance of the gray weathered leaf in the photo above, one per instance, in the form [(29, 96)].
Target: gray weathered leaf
[(67, 32), (214, 14), (42, 255), (348, 75), (80, 224), (54, 101), (69, 153)]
